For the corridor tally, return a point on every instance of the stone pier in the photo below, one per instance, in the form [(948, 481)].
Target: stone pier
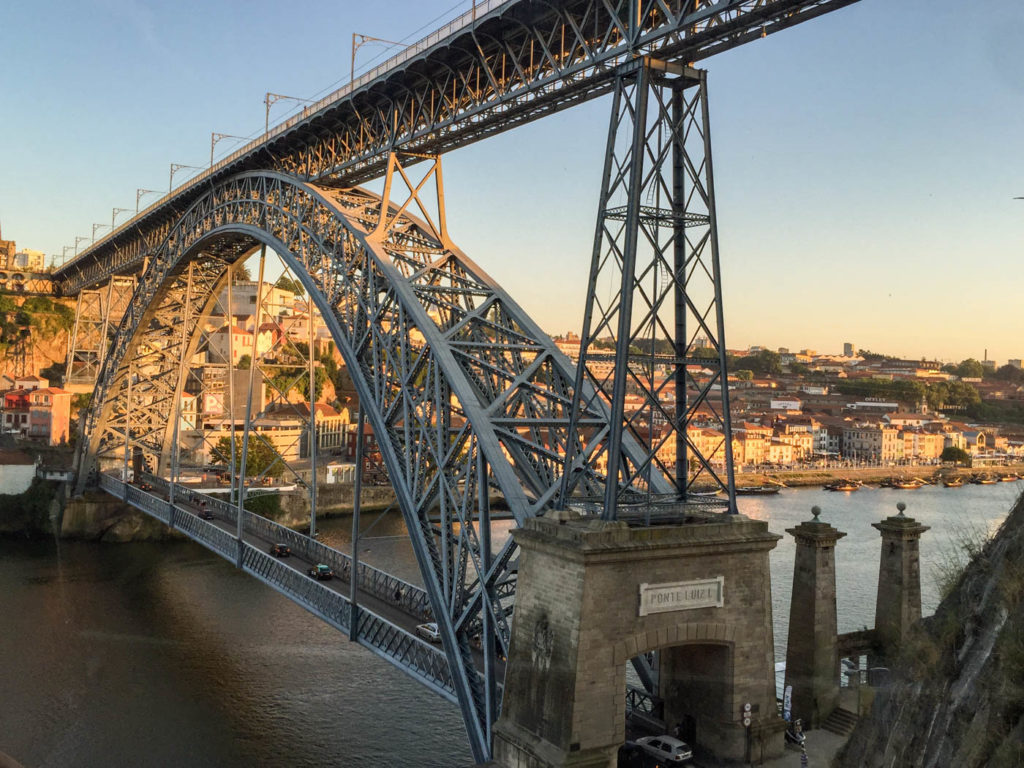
[(592, 595), (898, 604), (812, 659)]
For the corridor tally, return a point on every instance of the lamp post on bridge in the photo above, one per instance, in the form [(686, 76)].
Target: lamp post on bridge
[(94, 228), (272, 98), (138, 196), (175, 167), (215, 137), (363, 40), (78, 239), (113, 215), (64, 254)]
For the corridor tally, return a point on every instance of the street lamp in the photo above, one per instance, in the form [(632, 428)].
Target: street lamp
[(78, 239), (113, 215), (363, 40), (64, 254), (175, 167), (94, 228), (270, 100), (138, 196), (215, 137)]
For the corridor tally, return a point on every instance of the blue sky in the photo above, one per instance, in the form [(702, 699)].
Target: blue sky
[(865, 162)]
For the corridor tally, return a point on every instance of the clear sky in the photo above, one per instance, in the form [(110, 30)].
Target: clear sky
[(865, 161)]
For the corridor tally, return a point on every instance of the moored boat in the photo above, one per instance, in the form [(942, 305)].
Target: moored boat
[(757, 490), (842, 485), (1010, 478), (953, 482), (984, 480)]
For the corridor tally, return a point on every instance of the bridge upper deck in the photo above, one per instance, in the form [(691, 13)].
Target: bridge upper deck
[(501, 64)]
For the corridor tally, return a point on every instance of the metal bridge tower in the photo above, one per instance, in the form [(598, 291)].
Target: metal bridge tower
[(653, 325)]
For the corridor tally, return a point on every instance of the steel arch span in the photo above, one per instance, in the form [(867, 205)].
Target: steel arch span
[(463, 390)]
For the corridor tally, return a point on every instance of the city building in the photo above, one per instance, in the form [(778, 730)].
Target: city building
[(50, 415), (872, 443), (17, 469)]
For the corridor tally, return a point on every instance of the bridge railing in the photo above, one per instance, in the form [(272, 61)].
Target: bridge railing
[(399, 58), (416, 657), (382, 585), (331, 606)]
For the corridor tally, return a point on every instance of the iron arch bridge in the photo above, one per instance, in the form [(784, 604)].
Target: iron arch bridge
[(465, 395)]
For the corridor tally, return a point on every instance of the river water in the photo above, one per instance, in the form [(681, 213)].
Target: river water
[(163, 654)]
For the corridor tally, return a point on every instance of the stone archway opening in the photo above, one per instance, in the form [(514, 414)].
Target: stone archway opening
[(696, 692)]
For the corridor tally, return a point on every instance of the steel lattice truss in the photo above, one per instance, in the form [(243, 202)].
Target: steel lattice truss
[(463, 390), (96, 318), (654, 299), (510, 63)]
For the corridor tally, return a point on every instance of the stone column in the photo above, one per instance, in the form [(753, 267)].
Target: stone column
[(812, 660), (898, 605)]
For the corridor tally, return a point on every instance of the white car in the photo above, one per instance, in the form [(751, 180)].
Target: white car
[(429, 632), (666, 748)]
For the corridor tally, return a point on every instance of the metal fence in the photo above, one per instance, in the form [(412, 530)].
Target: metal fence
[(382, 585)]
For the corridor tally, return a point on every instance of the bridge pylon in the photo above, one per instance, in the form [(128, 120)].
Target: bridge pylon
[(653, 324)]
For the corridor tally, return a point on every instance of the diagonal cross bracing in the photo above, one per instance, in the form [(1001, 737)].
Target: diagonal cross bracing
[(464, 392)]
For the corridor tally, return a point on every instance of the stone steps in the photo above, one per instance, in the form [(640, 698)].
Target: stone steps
[(841, 721)]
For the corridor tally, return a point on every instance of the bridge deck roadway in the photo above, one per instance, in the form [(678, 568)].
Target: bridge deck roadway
[(398, 617)]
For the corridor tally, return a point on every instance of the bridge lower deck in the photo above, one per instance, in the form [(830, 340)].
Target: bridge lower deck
[(387, 610)]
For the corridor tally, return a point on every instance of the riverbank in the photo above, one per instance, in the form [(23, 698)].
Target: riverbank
[(815, 477)]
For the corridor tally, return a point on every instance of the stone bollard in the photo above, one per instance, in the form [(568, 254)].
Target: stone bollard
[(898, 604), (812, 661)]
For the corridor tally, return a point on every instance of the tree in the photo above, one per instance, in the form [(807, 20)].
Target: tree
[(744, 375), (244, 362), (955, 455), (242, 275), (285, 283), (799, 369), (970, 369), (1009, 373), (261, 459)]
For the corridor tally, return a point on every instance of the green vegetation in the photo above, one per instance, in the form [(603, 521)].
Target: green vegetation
[(266, 505), (34, 503), (260, 460), (955, 455), (941, 394), (285, 283)]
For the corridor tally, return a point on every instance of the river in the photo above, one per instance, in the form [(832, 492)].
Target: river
[(163, 654)]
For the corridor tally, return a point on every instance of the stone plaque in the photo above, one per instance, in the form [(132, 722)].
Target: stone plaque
[(682, 595)]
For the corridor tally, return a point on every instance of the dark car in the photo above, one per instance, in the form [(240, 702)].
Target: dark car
[(280, 550), (321, 572), (204, 512)]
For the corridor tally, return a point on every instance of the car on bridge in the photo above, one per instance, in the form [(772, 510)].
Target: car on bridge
[(429, 632), (666, 749), (320, 572), (280, 550)]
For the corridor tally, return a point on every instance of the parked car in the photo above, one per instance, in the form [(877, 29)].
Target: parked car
[(321, 572), (280, 550), (429, 632), (631, 755), (667, 749)]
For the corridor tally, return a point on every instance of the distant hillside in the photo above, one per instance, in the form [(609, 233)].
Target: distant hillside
[(959, 696)]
